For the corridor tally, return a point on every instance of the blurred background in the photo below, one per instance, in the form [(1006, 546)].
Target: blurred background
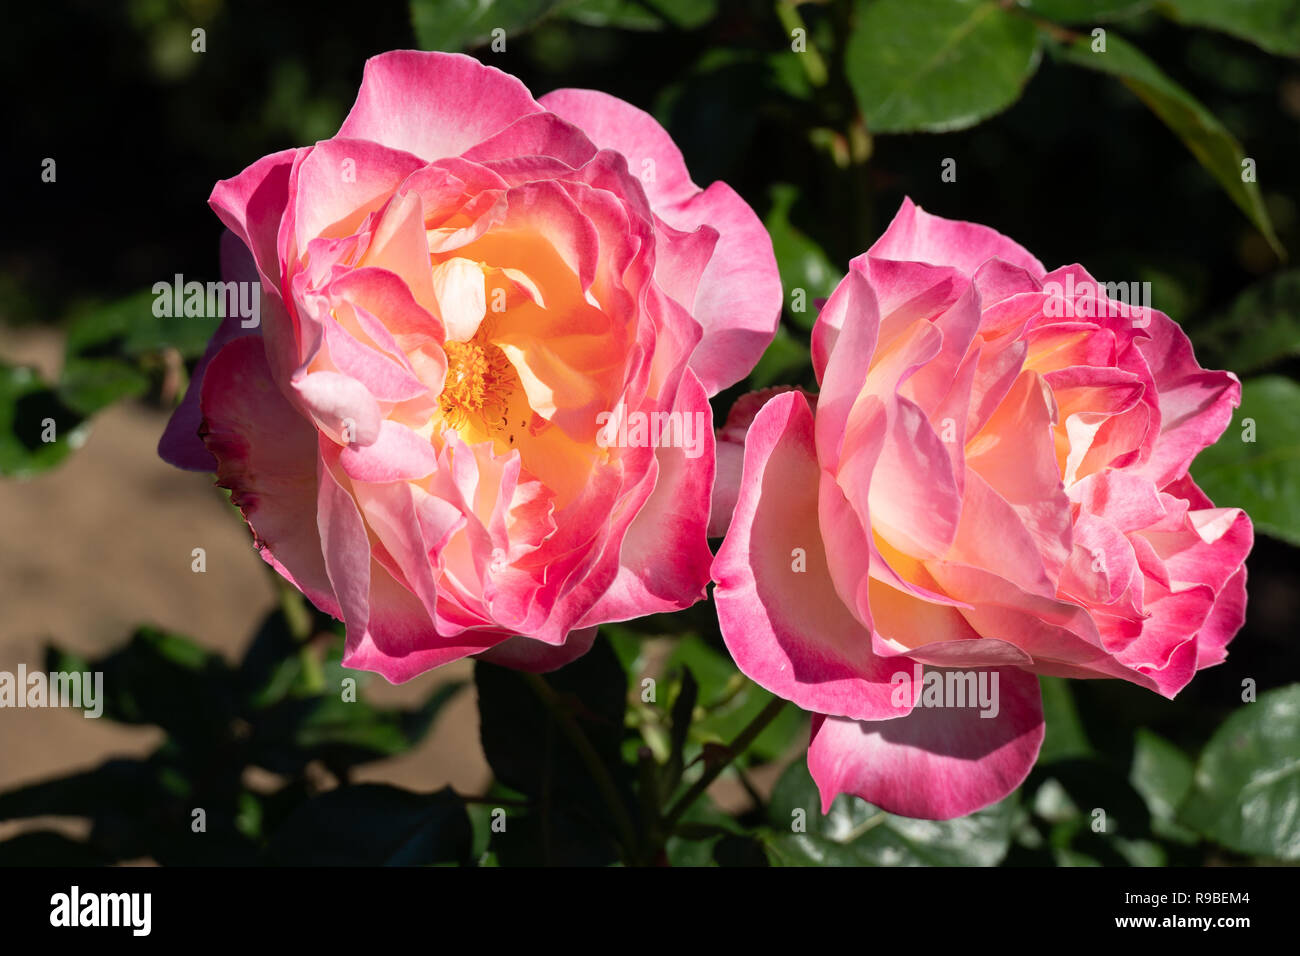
[(1133, 169)]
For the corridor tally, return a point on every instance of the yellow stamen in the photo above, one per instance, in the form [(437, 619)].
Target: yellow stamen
[(479, 381)]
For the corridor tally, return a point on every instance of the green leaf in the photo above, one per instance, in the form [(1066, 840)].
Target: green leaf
[(311, 725), (615, 14), (456, 25), (1087, 11), (1071, 790), (374, 825), (937, 65), (1262, 326), (785, 359), (802, 263), (1209, 141), (89, 385), (29, 409), (1262, 476), (164, 679), (855, 833), (105, 344), (641, 14), (1065, 737), (1246, 791), (1162, 774), (702, 826), (808, 849), (1273, 25), (1093, 815), (272, 665), (145, 332)]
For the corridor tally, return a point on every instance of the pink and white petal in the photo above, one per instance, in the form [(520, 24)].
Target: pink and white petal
[(1195, 404), (997, 280), (1049, 630), (400, 245), (681, 259), (252, 205), (1165, 651), (936, 763), (787, 629), (673, 521), (345, 545), (915, 504), (1212, 545), (730, 463), (1223, 623), (387, 378), (909, 292), (536, 134), (338, 184), (434, 104), (399, 640), (380, 293), (611, 123), (738, 299), (847, 300), (1103, 571), (526, 654), (845, 334), (397, 454), (1123, 499), (180, 444), (342, 407), (991, 535), (264, 451), (915, 235), (1015, 453), (731, 454), (929, 385)]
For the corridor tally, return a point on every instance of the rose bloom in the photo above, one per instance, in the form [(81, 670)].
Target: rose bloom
[(454, 289), (993, 484)]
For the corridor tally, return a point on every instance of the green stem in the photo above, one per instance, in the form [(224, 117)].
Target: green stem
[(605, 783), (870, 823), (294, 608), (734, 750), (814, 67)]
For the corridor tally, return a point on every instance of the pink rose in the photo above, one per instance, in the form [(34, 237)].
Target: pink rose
[(993, 486), (467, 295)]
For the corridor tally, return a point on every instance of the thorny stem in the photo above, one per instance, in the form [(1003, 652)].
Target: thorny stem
[(734, 750)]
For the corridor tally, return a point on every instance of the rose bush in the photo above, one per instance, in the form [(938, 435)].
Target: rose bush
[(992, 483), (454, 288)]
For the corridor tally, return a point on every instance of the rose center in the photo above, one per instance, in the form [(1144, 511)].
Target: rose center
[(479, 381)]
